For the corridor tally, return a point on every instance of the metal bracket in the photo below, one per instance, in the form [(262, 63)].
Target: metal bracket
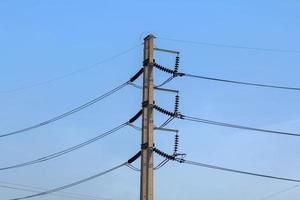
[(166, 129), (145, 103), (166, 51), (166, 90), (144, 146), (146, 62)]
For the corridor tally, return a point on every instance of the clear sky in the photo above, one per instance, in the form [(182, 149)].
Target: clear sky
[(41, 40)]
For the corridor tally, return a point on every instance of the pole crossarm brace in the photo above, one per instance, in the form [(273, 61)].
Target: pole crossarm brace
[(167, 51), (166, 129), (166, 90)]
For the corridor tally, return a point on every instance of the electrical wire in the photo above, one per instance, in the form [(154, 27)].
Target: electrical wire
[(136, 85), (165, 161), (66, 114), (68, 150), (36, 191), (236, 171), (280, 192), (38, 188), (230, 46), (72, 184), (180, 74), (165, 82), (61, 194), (64, 76), (130, 166), (135, 127), (216, 123), (169, 120), (156, 86), (161, 164), (240, 82)]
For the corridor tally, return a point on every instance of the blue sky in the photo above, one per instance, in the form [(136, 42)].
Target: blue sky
[(41, 40)]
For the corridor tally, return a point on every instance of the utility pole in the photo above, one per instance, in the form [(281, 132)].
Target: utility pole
[(146, 182)]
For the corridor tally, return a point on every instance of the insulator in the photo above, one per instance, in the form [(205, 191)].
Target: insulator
[(134, 77), (176, 107), (159, 109), (176, 65), (136, 156), (164, 69), (136, 116), (176, 143), (163, 154)]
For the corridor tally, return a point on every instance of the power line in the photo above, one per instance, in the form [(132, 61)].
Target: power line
[(36, 191), (130, 166), (64, 76), (165, 82), (280, 192), (182, 160), (68, 150), (216, 123), (240, 82), (161, 164), (180, 74), (131, 160), (66, 114), (165, 161), (236, 171), (169, 120), (230, 46), (72, 184), (61, 194)]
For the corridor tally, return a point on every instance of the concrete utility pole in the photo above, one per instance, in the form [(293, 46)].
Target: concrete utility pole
[(146, 184)]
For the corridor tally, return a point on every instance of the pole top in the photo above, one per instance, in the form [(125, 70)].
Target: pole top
[(149, 36)]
